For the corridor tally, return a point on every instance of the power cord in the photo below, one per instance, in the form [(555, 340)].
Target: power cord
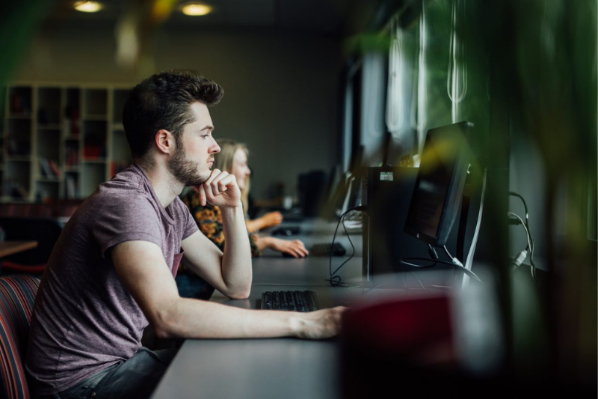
[(521, 257), (454, 262), (530, 243), (333, 279)]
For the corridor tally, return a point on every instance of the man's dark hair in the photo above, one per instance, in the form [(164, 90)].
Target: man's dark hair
[(163, 101)]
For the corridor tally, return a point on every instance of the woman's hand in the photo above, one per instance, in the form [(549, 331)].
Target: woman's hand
[(271, 219), (220, 190), (296, 248), (268, 220)]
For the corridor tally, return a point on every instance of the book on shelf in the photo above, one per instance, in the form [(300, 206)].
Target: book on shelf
[(45, 167), (71, 157), (71, 186), (18, 147), (16, 190), (20, 103), (54, 167), (49, 168)]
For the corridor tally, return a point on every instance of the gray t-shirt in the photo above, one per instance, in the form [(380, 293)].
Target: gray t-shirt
[(84, 319)]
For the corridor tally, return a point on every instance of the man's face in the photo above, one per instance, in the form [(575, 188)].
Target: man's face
[(195, 149)]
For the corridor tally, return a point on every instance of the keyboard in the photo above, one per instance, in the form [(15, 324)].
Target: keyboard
[(324, 249), (298, 301)]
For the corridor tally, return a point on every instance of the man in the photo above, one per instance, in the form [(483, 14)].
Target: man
[(112, 269)]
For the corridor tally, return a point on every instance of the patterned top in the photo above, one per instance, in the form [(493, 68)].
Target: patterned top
[(209, 221)]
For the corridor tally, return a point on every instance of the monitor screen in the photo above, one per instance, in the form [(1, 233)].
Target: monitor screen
[(344, 189), (439, 184)]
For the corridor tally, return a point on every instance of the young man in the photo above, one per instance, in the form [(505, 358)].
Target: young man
[(111, 272)]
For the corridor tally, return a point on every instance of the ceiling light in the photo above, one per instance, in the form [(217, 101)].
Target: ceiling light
[(196, 9), (88, 6)]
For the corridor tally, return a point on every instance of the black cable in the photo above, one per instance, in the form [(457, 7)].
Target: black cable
[(514, 194), (432, 252), (333, 279), (529, 232), (436, 261)]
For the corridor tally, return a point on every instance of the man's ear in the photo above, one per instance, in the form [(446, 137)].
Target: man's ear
[(165, 141)]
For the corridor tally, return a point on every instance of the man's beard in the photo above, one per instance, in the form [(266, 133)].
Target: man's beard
[(184, 170)]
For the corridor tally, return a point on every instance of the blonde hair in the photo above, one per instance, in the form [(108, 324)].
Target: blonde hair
[(224, 161)]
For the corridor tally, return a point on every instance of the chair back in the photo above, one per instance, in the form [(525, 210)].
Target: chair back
[(17, 294), (43, 230)]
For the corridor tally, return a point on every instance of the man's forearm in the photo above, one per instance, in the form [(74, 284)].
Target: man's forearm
[(190, 318), (236, 262)]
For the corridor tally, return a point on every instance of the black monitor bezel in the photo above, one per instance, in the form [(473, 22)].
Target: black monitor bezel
[(450, 208)]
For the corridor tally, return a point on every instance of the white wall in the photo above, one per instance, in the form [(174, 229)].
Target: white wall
[(281, 90)]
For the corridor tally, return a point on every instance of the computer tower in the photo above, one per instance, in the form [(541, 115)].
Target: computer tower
[(387, 195)]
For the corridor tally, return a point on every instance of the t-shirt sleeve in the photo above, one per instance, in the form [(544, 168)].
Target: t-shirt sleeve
[(127, 218)]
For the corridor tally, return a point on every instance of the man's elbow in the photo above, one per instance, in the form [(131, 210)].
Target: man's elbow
[(163, 332), (165, 324)]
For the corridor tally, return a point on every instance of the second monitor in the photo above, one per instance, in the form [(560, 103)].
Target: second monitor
[(409, 205)]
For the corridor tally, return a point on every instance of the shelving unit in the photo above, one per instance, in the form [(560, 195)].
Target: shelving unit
[(60, 141)]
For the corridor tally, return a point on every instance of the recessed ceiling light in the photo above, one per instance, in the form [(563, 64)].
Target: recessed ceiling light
[(88, 6), (196, 9)]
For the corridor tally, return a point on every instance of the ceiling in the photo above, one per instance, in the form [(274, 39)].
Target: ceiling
[(327, 17)]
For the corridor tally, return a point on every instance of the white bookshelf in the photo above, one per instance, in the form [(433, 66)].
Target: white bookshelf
[(60, 141)]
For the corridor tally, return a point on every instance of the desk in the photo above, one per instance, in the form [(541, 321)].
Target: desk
[(13, 247), (253, 368)]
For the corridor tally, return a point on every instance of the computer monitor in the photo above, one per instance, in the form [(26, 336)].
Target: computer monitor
[(344, 187), (439, 184)]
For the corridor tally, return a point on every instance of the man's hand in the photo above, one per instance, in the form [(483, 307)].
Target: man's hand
[(321, 324), (220, 190), (292, 247)]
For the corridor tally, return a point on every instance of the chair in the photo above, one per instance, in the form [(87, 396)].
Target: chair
[(43, 230), (17, 294)]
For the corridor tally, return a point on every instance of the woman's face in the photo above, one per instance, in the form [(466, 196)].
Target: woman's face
[(240, 168)]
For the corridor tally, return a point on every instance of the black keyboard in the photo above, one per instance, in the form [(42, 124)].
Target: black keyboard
[(298, 301), (324, 249)]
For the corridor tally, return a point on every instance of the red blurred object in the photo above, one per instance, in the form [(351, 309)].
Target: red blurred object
[(398, 346), (12, 267), (91, 152), (417, 331)]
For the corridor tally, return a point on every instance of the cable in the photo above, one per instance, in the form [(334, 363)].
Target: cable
[(514, 194), (420, 282), (333, 279), (530, 245), (474, 241), (394, 103), (444, 262), (453, 74), (432, 252)]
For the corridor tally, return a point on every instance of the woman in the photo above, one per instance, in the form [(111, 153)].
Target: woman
[(233, 159)]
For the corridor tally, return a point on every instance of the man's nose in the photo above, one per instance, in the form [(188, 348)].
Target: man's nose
[(216, 148)]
